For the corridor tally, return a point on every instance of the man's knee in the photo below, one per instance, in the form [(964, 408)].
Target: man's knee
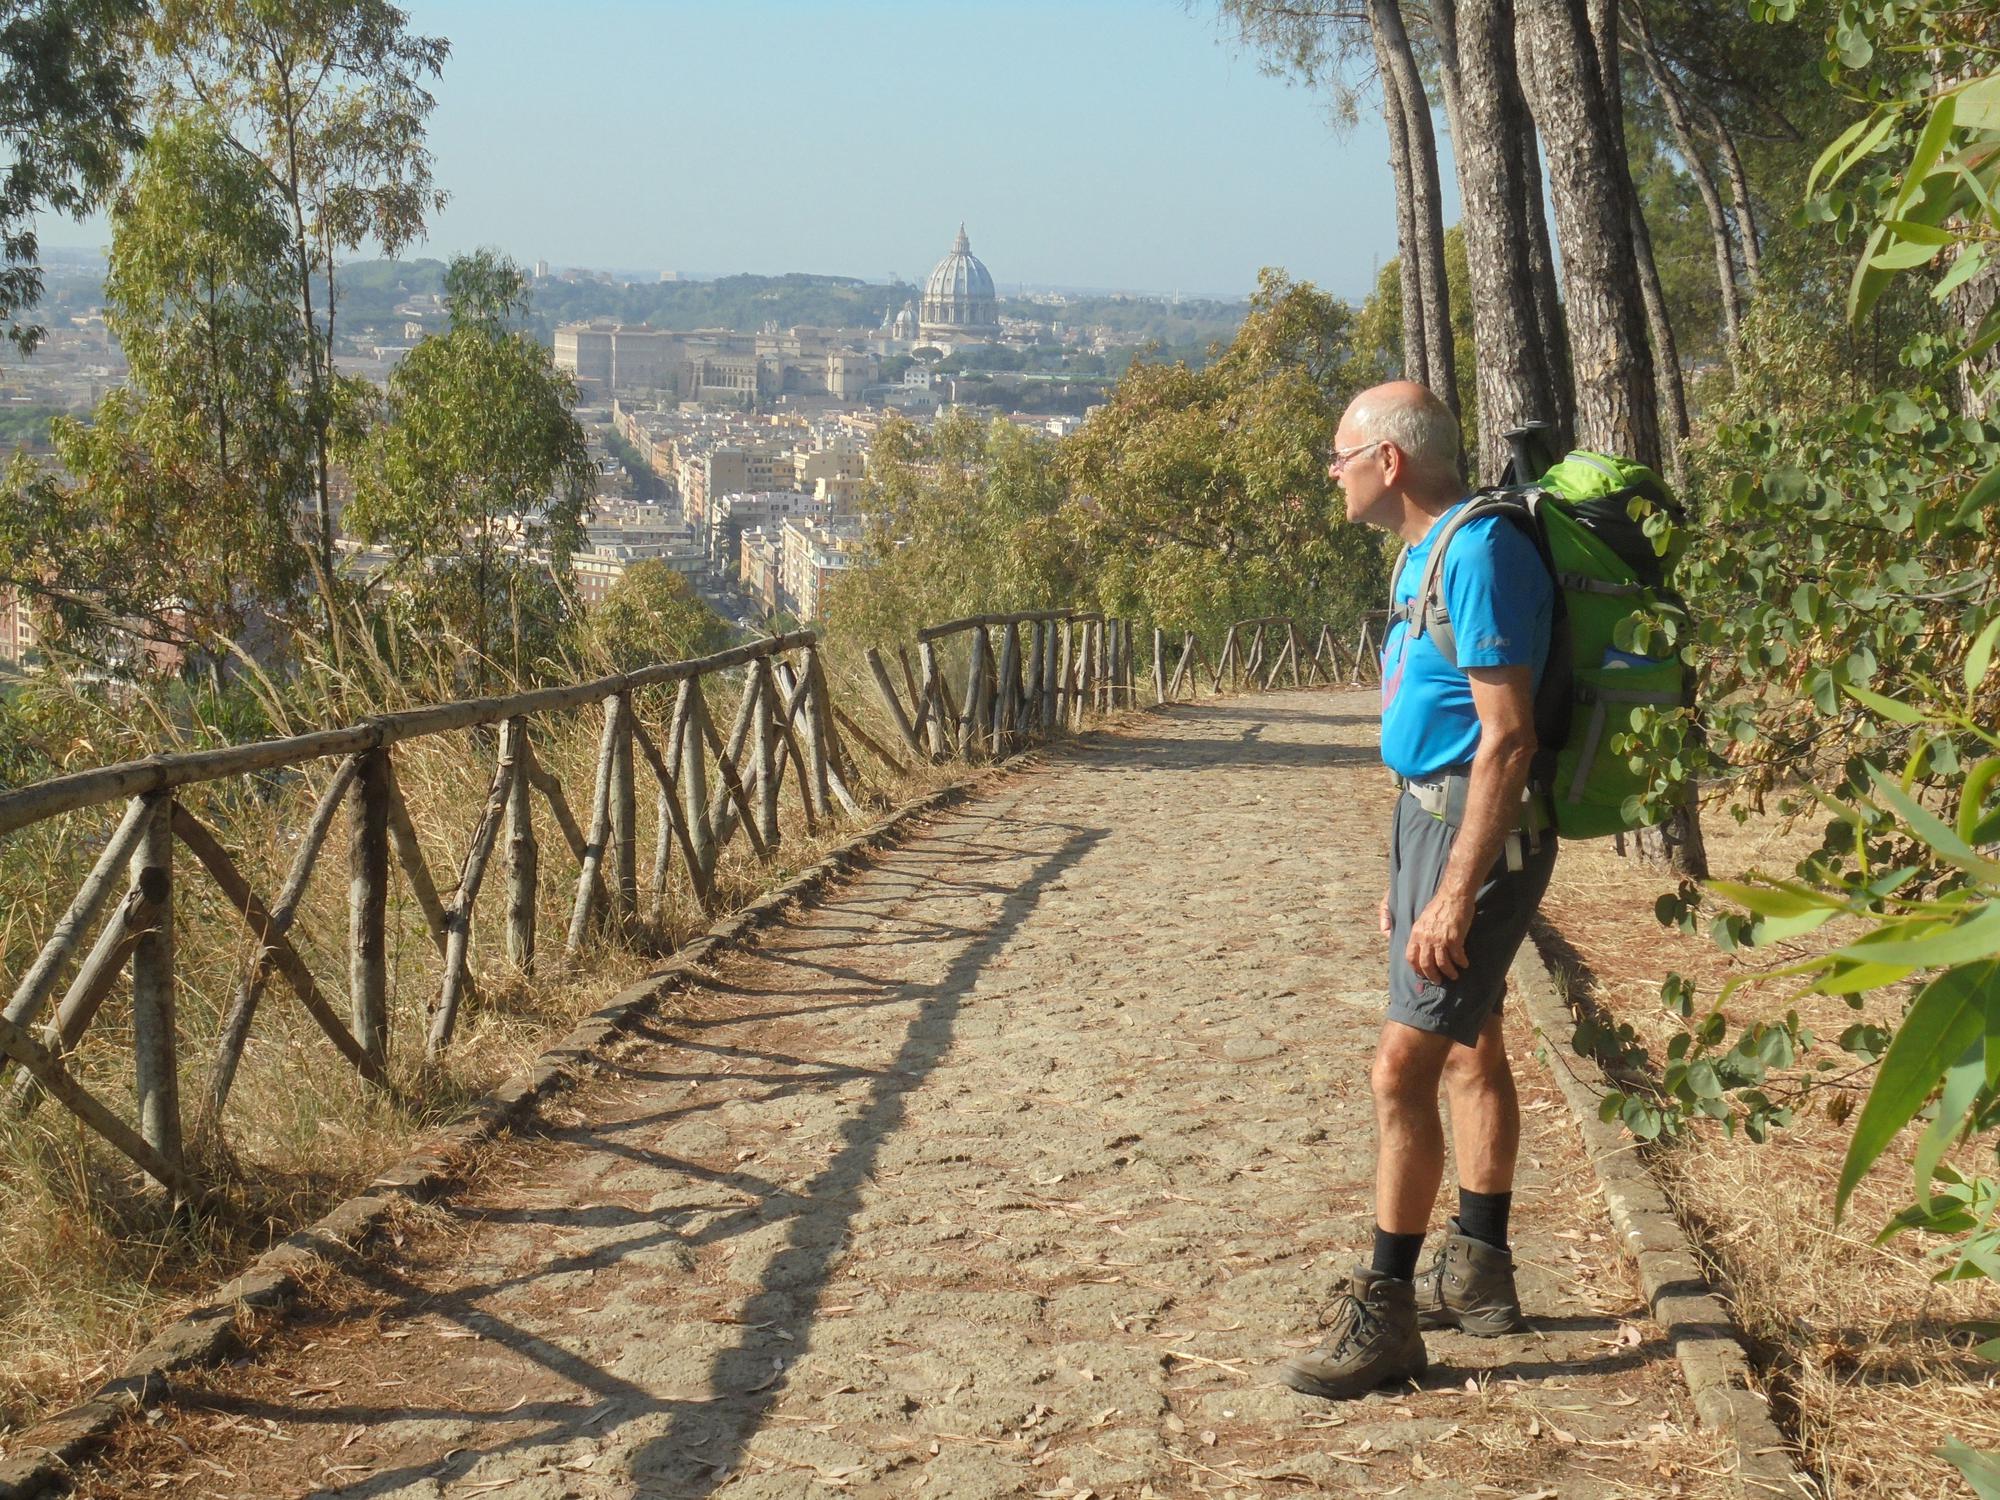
[(1483, 1065), (1407, 1068)]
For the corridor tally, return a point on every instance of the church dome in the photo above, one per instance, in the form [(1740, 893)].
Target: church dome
[(958, 300)]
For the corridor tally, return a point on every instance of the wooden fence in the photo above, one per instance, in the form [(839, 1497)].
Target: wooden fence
[(1021, 677)]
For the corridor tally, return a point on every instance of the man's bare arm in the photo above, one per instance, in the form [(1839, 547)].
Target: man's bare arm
[(1503, 697)]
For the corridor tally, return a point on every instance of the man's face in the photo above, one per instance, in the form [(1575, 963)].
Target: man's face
[(1356, 463)]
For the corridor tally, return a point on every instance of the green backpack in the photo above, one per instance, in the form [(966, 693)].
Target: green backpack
[(1580, 517)]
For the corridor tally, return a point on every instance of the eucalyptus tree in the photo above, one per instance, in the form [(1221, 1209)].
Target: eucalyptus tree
[(1590, 188), (171, 519), (1202, 496), (328, 99), (1322, 44), (477, 473), (68, 119)]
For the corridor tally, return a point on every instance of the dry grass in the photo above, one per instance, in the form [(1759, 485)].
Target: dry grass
[(90, 1255), (1868, 1356)]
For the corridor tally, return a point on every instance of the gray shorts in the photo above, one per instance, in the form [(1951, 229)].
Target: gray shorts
[(1419, 846)]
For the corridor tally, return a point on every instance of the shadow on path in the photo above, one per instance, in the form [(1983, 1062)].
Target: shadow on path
[(778, 1319)]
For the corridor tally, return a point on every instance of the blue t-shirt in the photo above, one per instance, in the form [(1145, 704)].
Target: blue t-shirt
[(1500, 599)]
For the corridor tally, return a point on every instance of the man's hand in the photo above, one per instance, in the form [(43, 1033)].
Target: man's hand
[(1436, 948), (1382, 916)]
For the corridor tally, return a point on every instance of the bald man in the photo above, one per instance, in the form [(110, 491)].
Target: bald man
[(1470, 852)]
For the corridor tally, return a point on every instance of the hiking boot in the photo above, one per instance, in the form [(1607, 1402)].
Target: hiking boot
[(1469, 1285), (1371, 1340)]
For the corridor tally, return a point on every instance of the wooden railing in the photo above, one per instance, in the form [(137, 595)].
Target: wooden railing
[(710, 785), (1259, 653), (1020, 678)]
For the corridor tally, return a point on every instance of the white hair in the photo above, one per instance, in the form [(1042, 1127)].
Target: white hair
[(1417, 422)]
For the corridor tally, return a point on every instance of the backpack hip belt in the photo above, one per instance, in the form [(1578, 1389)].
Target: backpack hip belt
[(1443, 797)]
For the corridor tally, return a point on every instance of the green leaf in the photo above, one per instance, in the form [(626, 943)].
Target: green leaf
[(1848, 147), (1702, 1078), (1977, 105), (1930, 146), (1945, 1018), (1902, 254), (1933, 830), (1772, 901), (1961, 1086), (1979, 658), (1854, 978), (1970, 259), (1923, 234), (1929, 944), (1888, 708), (1977, 498), (1870, 281), (1980, 1470), (1972, 797), (1929, 149)]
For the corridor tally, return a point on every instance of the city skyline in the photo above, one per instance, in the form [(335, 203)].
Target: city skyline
[(1126, 145)]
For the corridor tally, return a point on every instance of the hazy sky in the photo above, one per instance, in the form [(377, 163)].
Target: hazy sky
[(1107, 143)]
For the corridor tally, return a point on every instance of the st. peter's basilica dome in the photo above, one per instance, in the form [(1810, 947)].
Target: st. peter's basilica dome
[(958, 304)]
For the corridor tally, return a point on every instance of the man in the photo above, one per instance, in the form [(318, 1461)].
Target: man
[(1469, 856)]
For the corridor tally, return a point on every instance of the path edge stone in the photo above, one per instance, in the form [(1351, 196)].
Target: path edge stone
[(44, 1456), (1685, 1303)]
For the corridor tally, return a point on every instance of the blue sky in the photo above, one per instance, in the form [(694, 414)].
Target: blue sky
[(1102, 143)]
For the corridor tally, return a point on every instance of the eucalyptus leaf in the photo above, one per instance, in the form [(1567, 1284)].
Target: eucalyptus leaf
[(1944, 1019)]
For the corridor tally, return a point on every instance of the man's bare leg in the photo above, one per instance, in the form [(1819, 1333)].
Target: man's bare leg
[(1409, 1135), (1485, 1112)]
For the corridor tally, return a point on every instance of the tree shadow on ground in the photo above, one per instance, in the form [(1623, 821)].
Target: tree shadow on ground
[(776, 1320)]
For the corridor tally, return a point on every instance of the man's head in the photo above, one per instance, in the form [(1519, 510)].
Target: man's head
[(1396, 451)]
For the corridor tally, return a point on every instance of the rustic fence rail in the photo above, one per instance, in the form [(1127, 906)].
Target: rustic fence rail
[(977, 689)]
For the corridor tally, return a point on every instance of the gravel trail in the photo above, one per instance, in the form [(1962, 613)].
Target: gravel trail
[(1008, 1168)]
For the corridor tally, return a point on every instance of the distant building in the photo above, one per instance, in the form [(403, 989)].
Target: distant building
[(813, 553), (959, 306)]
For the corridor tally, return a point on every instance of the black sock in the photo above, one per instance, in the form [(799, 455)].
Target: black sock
[(1396, 1254), (1483, 1216)]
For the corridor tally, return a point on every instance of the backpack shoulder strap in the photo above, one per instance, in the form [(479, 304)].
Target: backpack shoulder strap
[(1426, 611)]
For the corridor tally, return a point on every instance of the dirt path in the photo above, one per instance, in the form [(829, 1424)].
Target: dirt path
[(1008, 1169)]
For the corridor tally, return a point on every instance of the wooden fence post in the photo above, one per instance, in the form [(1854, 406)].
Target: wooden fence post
[(1159, 665), (523, 855), (933, 698), (368, 904), (887, 691), (815, 733), (153, 984), (1006, 697), (592, 864), (624, 813), (764, 757), (1064, 646), (40, 979), (471, 874), (1031, 686), (973, 719), (694, 790)]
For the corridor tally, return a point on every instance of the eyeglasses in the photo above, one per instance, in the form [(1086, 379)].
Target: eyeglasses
[(1342, 455)]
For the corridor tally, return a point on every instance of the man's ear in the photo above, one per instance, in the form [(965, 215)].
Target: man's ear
[(1393, 465)]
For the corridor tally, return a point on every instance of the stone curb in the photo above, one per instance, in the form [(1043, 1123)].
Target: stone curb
[(1683, 1301), (207, 1334)]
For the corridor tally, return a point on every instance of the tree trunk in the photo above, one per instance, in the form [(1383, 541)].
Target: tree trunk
[(1513, 381), (1604, 27), (1396, 121), (1666, 353), (1711, 201), (1739, 190), (1616, 407), (1969, 306), (1553, 346), (1427, 198)]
